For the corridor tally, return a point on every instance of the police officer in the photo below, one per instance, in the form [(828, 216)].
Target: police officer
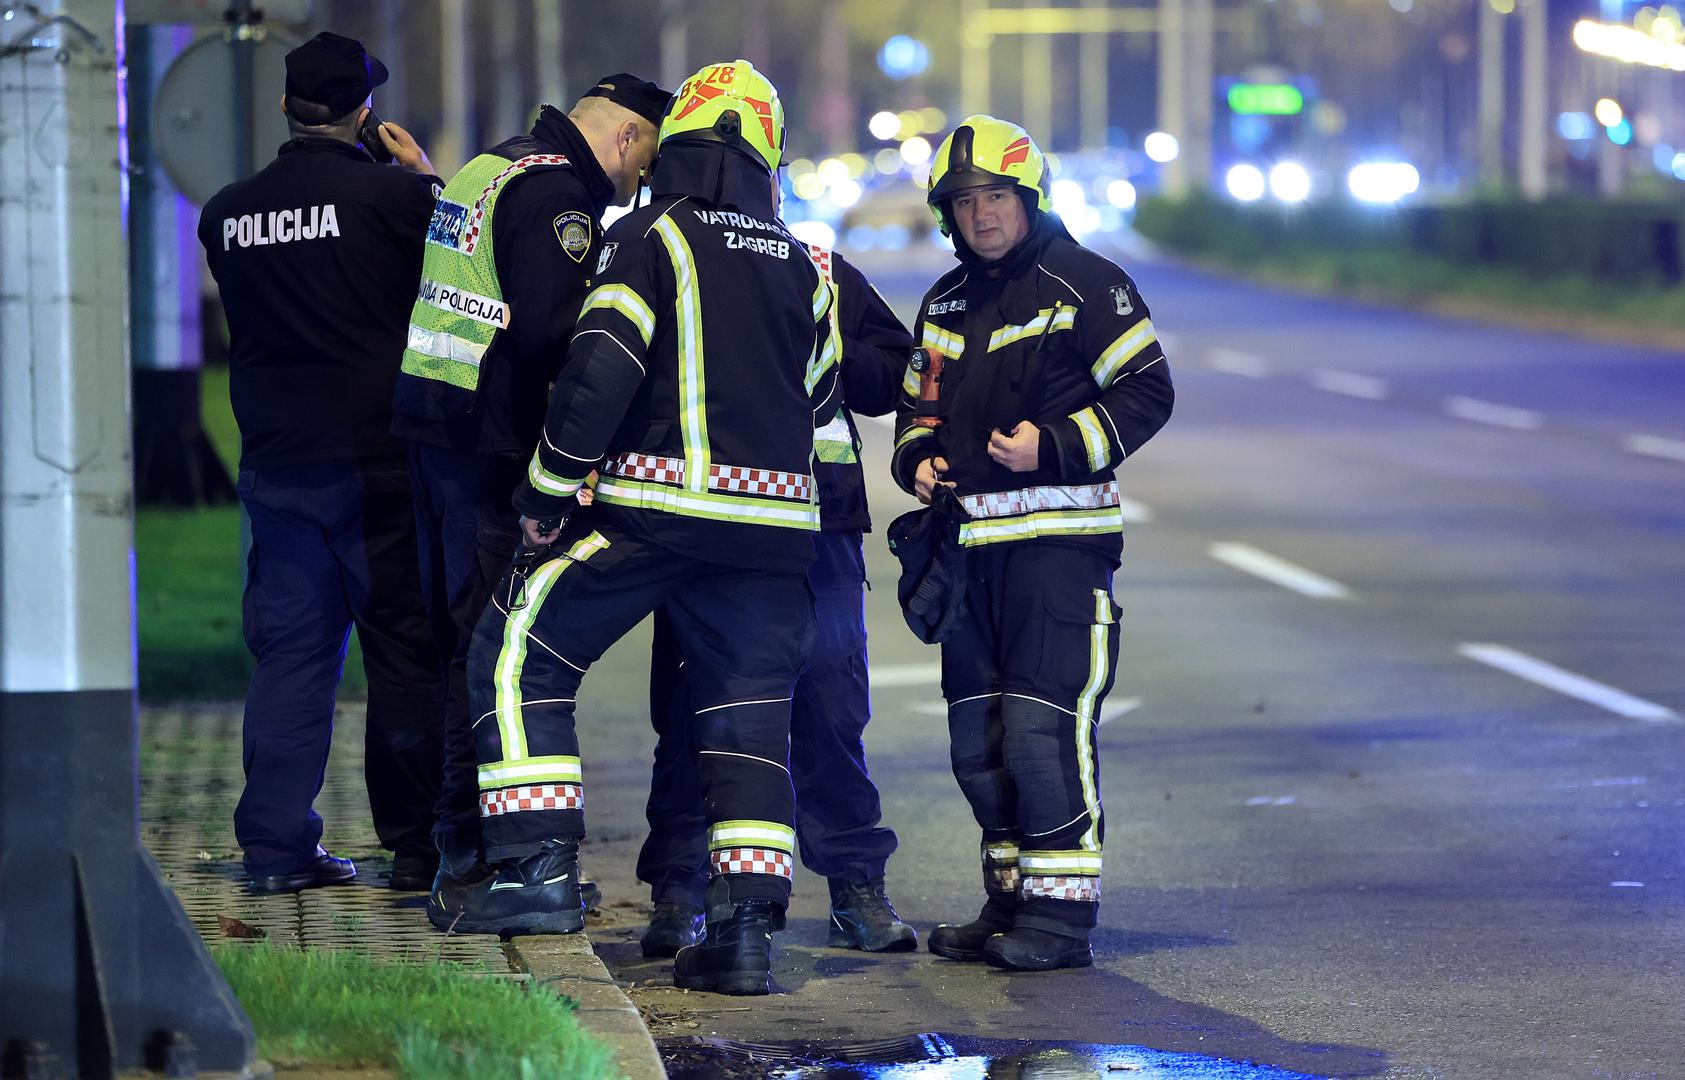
[(704, 359), (1050, 377), (316, 258), (509, 247), (837, 807)]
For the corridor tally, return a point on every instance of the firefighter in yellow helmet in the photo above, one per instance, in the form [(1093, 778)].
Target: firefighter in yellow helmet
[(703, 361), (1036, 374)]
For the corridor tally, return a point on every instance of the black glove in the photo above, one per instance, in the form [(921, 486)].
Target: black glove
[(933, 566)]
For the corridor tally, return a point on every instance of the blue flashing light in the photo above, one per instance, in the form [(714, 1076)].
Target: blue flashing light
[(1620, 134), (1663, 155), (902, 57), (1679, 166), (1575, 125)]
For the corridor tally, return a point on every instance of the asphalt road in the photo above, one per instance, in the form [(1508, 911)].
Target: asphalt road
[(1362, 818)]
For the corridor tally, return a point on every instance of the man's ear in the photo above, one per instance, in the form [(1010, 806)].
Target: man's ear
[(283, 104)]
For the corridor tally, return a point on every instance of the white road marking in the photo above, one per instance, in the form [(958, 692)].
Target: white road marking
[(1626, 884), (1350, 384), (887, 420), (1133, 512), (1235, 362), (1278, 571), (906, 675), (1563, 681), (1272, 800), (1486, 412), (1655, 446), (1110, 711)]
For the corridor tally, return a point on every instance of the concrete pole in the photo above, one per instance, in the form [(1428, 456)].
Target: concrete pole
[(163, 240), (1535, 98), (547, 45), (101, 972), (392, 101), (1172, 95), (453, 145), (974, 59), (1492, 105), (509, 95), (675, 44), (1201, 30), (1096, 82), (1036, 51)]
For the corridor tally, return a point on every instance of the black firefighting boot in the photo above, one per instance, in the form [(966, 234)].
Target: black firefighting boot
[(672, 927), (964, 941), (535, 894), (862, 918), (735, 956), (1046, 934)]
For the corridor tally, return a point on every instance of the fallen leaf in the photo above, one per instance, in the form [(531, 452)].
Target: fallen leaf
[(235, 928)]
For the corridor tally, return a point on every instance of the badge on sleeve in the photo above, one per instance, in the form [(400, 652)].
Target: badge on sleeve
[(573, 232), (606, 256), (1122, 302)]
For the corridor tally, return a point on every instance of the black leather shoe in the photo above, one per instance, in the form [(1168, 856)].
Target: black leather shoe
[(537, 894), (413, 872), (324, 870), (735, 957), (964, 941), (672, 927), (863, 918), (1027, 949)]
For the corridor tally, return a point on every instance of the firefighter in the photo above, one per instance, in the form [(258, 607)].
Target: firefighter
[(1038, 373), (838, 812), (509, 248), (704, 359)]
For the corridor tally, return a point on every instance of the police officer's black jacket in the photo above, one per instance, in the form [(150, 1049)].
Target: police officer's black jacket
[(543, 286), (1055, 334), (316, 258), (875, 346), (704, 358)]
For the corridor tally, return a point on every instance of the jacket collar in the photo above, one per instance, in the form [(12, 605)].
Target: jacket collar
[(322, 144), (713, 174), (558, 135)]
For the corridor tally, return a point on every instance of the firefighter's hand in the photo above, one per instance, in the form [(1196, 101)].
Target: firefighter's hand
[(928, 476), (1019, 449), (535, 539), (588, 493), (404, 149)]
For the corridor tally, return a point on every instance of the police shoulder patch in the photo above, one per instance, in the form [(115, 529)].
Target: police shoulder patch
[(573, 232), (607, 256), (1122, 302)]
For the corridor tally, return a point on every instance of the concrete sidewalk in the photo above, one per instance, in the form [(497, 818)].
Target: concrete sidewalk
[(190, 781)]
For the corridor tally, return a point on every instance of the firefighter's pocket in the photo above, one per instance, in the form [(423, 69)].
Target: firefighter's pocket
[(1078, 637)]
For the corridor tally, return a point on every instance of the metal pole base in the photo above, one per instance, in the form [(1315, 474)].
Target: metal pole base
[(101, 970)]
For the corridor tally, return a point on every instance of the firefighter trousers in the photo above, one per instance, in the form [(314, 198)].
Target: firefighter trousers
[(745, 635), (1024, 679)]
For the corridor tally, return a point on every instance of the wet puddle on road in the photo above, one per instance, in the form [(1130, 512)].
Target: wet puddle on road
[(948, 1057)]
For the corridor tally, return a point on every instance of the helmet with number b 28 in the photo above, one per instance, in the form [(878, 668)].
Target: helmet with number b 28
[(733, 104), (985, 152)]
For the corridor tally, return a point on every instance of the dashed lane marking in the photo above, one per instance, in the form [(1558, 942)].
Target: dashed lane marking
[(1486, 412), (1278, 571), (1350, 384), (1655, 446), (906, 675), (1235, 362), (1134, 513), (1563, 681)]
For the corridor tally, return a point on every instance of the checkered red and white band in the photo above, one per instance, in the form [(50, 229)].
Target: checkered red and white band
[(734, 478), (1062, 888), (1001, 879), (511, 800), (476, 217), (741, 860), (821, 260), (996, 504)]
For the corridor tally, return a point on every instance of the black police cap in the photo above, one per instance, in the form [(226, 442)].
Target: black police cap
[(630, 92), (334, 71)]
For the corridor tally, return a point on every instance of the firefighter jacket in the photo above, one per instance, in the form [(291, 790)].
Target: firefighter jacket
[(1054, 334), (704, 359), (511, 243), (874, 354)]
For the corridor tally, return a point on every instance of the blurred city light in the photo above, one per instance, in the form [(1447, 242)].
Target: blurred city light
[(1383, 181), (887, 160), (1121, 194), (1620, 134), (808, 186), (814, 232), (1662, 157), (916, 150), (1575, 125), (1503, 7), (1679, 166), (932, 119), (1608, 112), (1161, 146), (832, 171), (883, 125), (1631, 45), (846, 192), (1290, 182), (1245, 182), (903, 57), (1266, 99)]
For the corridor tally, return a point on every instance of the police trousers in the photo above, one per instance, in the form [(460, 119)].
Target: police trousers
[(745, 636), (837, 807), (1024, 679), (333, 546)]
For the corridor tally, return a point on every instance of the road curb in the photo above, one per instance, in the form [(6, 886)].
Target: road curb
[(565, 964)]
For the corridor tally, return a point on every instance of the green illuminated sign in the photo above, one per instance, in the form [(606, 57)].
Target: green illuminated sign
[(1266, 99)]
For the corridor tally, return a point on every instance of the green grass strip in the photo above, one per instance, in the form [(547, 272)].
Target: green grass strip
[(424, 1021)]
